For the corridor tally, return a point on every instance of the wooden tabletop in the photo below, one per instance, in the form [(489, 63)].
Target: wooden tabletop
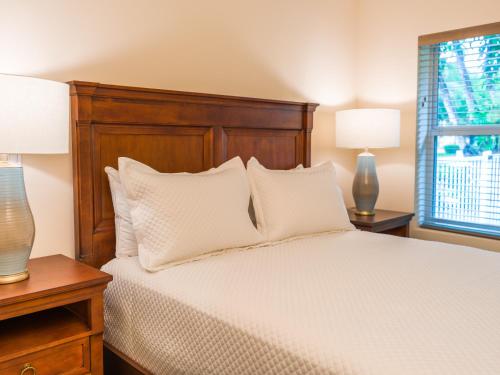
[(52, 275), (380, 217)]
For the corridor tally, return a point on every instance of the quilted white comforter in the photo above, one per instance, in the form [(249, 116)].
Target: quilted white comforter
[(351, 303)]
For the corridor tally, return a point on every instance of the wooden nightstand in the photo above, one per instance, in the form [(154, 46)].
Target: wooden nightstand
[(52, 323), (388, 222)]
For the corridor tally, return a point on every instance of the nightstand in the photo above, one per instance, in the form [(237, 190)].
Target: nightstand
[(52, 323), (384, 221)]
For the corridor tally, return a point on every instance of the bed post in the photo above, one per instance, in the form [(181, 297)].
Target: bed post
[(308, 127)]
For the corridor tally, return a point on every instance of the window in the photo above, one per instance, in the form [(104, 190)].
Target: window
[(458, 131)]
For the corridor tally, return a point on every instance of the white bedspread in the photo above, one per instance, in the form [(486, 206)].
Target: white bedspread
[(351, 303)]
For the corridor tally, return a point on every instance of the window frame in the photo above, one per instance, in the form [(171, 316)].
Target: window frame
[(427, 147)]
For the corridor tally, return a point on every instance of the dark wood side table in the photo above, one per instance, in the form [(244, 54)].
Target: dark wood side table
[(384, 221), (52, 323)]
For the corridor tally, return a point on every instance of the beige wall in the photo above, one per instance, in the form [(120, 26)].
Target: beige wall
[(386, 75), (327, 51), (296, 50)]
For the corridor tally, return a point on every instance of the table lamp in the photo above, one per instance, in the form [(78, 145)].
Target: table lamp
[(34, 119), (367, 128)]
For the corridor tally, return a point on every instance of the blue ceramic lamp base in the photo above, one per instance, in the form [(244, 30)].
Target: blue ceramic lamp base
[(17, 228), (365, 185)]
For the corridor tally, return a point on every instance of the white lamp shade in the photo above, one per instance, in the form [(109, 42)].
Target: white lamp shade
[(367, 128), (34, 116)]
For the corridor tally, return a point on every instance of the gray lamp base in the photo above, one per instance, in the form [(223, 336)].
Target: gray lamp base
[(365, 185)]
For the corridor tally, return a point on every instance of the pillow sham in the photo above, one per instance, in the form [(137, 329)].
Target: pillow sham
[(251, 208), (126, 244), (296, 202), (184, 216)]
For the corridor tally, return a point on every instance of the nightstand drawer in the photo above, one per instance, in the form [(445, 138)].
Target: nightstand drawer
[(71, 358)]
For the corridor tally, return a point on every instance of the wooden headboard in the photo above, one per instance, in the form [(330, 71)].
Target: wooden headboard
[(172, 132)]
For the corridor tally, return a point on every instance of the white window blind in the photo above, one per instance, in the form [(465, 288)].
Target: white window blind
[(458, 135)]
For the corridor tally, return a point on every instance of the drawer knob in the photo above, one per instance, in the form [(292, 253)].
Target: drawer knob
[(27, 367)]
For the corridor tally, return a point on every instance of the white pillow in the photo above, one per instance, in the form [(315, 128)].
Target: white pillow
[(183, 216), (297, 201), (126, 244), (251, 208)]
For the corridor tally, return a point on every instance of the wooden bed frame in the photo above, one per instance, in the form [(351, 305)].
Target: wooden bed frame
[(172, 132)]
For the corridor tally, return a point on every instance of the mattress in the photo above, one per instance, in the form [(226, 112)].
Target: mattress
[(351, 303)]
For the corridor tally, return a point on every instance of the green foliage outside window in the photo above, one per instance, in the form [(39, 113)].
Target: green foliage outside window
[(469, 88)]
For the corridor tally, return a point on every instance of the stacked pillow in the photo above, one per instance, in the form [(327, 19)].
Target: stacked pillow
[(296, 202), (169, 218), (126, 244), (184, 216)]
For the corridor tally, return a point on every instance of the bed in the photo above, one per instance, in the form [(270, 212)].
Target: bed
[(349, 303)]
